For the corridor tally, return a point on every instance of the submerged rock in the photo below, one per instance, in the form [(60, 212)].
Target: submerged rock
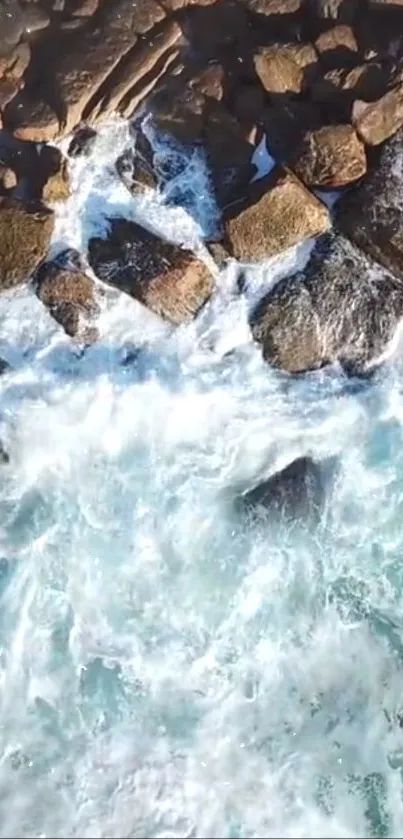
[(342, 308), (169, 280), (295, 492), (25, 233), (372, 215)]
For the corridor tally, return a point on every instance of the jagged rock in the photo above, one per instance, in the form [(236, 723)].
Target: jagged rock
[(83, 141), (281, 213), (337, 46), (167, 279), (69, 296), (228, 154), (285, 68), (297, 491), (14, 65), (342, 308), (372, 215), (331, 157), (25, 233), (375, 122), (135, 173)]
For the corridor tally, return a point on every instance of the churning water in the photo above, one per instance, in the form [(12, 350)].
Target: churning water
[(165, 669)]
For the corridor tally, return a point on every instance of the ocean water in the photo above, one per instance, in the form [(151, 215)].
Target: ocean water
[(167, 670)]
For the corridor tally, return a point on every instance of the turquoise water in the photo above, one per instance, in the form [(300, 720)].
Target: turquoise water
[(166, 669)]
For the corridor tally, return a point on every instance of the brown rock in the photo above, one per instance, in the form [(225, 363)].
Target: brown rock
[(337, 46), (343, 11), (82, 142), (57, 187), (8, 178), (69, 296), (24, 240), (210, 82), (8, 89), (281, 213), (137, 175), (342, 86), (138, 65), (228, 153), (331, 157), (179, 111), (11, 25), (341, 308), (282, 68), (85, 8), (275, 7), (167, 279), (31, 119), (14, 65), (376, 121), (372, 215), (285, 125)]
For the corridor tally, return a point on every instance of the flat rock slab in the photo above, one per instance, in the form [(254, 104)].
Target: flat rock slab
[(281, 213), (169, 280), (24, 240), (342, 308), (372, 215)]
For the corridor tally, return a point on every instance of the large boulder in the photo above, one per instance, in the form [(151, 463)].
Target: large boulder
[(25, 233), (297, 491), (342, 308), (331, 157), (376, 121), (372, 215), (280, 213), (169, 280), (285, 68), (70, 297)]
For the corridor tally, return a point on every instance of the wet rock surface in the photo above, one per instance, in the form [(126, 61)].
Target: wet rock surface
[(296, 492)]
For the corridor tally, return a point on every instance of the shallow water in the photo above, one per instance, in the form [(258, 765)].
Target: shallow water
[(166, 670)]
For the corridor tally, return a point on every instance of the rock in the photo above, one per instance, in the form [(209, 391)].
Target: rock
[(69, 296), (376, 121), (24, 240), (210, 82), (135, 71), (340, 87), (228, 153), (31, 119), (135, 173), (337, 46), (167, 279), (8, 178), (179, 111), (286, 124), (281, 213), (386, 4), (4, 366), (372, 215), (285, 68), (296, 491), (85, 8), (11, 25), (35, 18), (14, 65), (83, 142), (275, 7), (342, 308), (57, 186), (343, 11), (248, 103), (331, 157)]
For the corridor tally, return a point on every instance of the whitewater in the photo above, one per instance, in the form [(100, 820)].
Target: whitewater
[(166, 668)]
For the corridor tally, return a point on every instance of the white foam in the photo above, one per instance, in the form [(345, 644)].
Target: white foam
[(164, 669)]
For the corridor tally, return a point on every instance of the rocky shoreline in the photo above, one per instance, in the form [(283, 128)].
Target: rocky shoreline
[(320, 80)]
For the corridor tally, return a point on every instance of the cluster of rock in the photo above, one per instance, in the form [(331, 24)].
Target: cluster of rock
[(322, 80)]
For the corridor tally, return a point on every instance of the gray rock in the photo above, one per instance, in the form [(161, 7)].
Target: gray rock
[(295, 492)]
